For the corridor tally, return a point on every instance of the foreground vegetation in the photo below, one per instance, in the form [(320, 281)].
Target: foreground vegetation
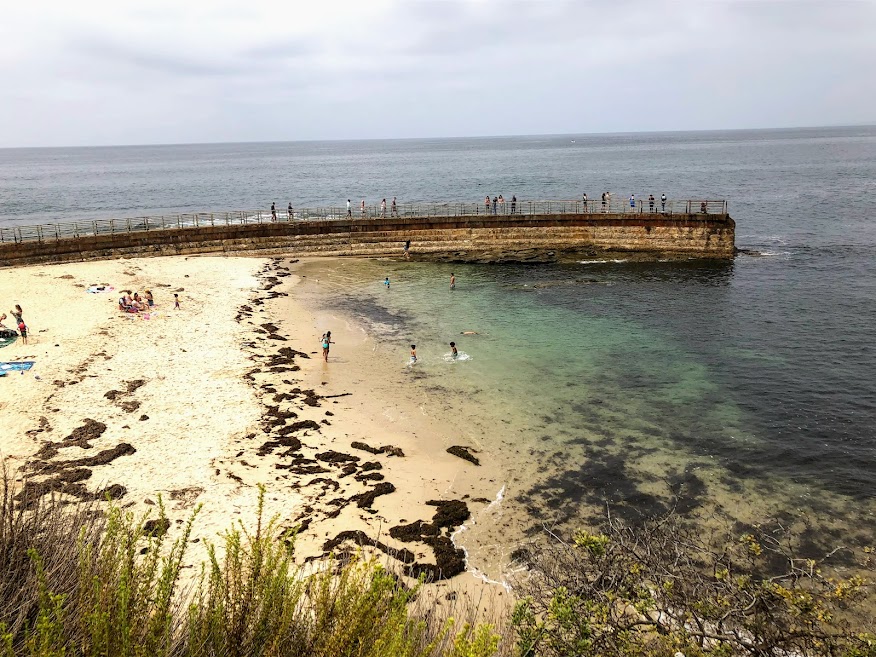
[(76, 581)]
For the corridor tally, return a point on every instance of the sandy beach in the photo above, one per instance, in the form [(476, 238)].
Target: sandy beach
[(201, 405)]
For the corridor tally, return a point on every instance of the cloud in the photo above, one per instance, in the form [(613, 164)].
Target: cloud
[(160, 70)]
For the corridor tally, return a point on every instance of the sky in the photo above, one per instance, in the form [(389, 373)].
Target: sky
[(93, 72)]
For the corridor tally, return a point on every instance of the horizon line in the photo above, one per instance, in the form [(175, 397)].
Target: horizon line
[(505, 136)]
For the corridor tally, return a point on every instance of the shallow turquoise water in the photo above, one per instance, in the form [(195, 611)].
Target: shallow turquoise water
[(619, 384)]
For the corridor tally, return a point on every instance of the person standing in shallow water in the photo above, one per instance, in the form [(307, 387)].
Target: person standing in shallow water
[(452, 281), (453, 352), (326, 345), (413, 354)]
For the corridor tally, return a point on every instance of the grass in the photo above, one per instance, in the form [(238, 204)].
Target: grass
[(79, 582)]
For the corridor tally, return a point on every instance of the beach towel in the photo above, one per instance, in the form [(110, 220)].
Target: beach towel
[(19, 366), (7, 337), (97, 289)]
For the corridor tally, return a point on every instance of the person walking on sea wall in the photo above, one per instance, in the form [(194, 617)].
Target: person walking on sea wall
[(273, 212), (663, 202), (603, 201), (383, 208), (349, 209)]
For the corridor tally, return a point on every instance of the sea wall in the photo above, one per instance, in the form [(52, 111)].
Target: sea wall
[(461, 238)]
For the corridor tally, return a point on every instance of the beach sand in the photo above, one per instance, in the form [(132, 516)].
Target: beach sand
[(203, 404)]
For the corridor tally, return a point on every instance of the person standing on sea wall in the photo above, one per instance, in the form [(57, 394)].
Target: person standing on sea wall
[(362, 206), (513, 204), (632, 202), (603, 201), (651, 203), (495, 204), (501, 204), (487, 204), (663, 202), (584, 200), (349, 209), (394, 208), (383, 208), (273, 211), (289, 211)]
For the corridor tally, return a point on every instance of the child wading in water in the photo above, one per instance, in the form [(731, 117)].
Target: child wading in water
[(386, 282), (326, 344), (452, 281), (413, 354), (453, 352)]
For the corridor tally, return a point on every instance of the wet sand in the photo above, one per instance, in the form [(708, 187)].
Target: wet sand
[(202, 405)]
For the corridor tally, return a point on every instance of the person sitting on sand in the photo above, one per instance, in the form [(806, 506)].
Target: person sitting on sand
[(2, 317), (150, 301)]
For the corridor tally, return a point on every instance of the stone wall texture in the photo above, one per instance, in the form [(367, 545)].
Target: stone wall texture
[(462, 238)]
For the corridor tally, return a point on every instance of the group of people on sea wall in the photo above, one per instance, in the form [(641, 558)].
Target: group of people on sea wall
[(605, 203), (289, 212), (497, 205), (363, 209), (18, 317)]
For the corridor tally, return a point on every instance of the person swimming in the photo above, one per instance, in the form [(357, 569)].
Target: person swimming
[(413, 354), (453, 352)]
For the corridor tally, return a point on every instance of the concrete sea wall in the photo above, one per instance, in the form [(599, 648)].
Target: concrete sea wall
[(476, 238)]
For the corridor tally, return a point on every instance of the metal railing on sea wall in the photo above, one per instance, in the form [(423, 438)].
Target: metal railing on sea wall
[(75, 229)]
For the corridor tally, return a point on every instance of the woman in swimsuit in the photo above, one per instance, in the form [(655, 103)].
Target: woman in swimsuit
[(326, 344)]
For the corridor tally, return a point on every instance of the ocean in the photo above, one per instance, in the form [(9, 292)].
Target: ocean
[(733, 392)]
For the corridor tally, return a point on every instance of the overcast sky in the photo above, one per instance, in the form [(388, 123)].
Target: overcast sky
[(86, 72)]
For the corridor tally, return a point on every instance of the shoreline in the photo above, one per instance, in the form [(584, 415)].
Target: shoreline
[(185, 406)]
